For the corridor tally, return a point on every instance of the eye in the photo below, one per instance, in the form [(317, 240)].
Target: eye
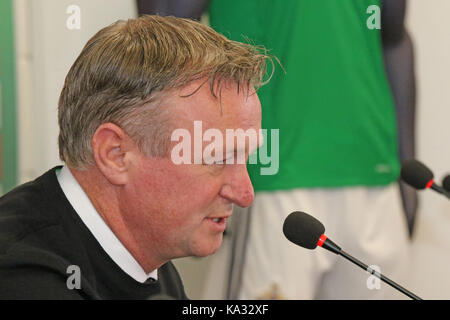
[(220, 162), (217, 163), (212, 162)]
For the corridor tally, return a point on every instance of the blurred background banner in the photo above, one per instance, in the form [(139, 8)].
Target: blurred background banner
[(8, 142)]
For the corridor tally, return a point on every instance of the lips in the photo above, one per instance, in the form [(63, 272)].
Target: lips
[(218, 223), (218, 219)]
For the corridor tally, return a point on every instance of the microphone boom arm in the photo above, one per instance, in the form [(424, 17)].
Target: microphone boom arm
[(379, 275), (326, 243)]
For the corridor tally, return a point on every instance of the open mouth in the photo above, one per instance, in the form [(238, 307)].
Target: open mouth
[(217, 224)]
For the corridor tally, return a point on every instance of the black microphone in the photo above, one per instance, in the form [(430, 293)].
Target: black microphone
[(446, 183), (417, 175), (308, 232)]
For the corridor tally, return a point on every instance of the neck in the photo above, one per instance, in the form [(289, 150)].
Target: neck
[(105, 198)]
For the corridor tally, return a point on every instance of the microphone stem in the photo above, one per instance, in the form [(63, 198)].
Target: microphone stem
[(378, 275), (441, 190)]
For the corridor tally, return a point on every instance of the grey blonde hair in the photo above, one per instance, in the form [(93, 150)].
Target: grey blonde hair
[(124, 69)]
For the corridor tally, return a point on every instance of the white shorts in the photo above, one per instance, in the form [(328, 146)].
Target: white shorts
[(367, 222)]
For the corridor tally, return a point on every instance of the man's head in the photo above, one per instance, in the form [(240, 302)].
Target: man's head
[(124, 71), (132, 85)]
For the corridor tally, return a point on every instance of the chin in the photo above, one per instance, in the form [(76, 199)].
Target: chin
[(206, 249)]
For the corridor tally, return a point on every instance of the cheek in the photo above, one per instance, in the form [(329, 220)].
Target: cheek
[(177, 190)]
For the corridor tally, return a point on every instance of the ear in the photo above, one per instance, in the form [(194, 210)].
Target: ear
[(113, 150)]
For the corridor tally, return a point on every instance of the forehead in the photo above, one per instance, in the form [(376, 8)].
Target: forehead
[(230, 109)]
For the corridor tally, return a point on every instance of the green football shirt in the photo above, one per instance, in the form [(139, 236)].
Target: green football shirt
[(333, 106)]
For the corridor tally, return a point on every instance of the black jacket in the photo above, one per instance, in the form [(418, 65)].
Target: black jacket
[(41, 236)]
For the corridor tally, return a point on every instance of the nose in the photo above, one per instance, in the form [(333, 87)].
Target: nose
[(238, 188)]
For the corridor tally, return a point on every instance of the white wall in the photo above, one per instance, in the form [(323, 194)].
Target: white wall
[(46, 49), (430, 28)]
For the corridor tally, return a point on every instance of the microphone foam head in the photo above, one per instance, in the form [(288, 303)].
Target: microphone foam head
[(446, 183), (303, 229), (416, 174)]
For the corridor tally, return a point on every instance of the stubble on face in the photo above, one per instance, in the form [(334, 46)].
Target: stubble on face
[(167, 206)]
